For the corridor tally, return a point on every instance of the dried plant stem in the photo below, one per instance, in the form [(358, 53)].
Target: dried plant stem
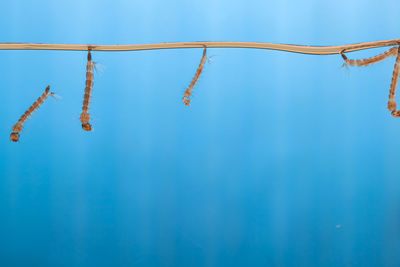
[(85, 117), (316, 50), (18, 126), (188, 92)]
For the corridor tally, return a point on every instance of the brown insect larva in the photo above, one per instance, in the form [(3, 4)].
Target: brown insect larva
[(395, 80), (368, 61), (85, 117), (18, 126), (392, 105), (188, 92)]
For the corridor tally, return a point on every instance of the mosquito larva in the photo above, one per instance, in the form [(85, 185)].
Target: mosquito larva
[(392, 106), (368, 61), (85, 117), (14, 136), (188, 92)]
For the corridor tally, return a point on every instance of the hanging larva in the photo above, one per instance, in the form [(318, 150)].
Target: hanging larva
[(85, 117), (392, 105), (369, 61), (188, 92), (14, 136), (395, 80)]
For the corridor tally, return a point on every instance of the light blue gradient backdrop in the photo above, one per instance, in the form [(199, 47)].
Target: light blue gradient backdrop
[(282, 160)]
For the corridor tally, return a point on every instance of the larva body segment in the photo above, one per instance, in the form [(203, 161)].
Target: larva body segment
[(369, 61), (85, 117), (392, 106), (188, 92), (19, 125)]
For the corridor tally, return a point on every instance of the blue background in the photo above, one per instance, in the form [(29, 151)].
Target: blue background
[(282, 160)]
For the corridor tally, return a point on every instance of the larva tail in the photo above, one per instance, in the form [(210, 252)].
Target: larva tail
[(186, 97)]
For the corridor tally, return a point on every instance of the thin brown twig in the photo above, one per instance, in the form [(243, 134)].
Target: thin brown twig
[(315, 50)]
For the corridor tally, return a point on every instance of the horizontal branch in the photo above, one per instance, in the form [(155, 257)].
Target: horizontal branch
[(315, 50)]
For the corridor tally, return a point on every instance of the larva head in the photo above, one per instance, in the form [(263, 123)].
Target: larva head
[(396, 114), (87, 127), (14, 137), (186, 101)]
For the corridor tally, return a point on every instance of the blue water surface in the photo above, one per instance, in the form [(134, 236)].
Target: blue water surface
[(282, 160)]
